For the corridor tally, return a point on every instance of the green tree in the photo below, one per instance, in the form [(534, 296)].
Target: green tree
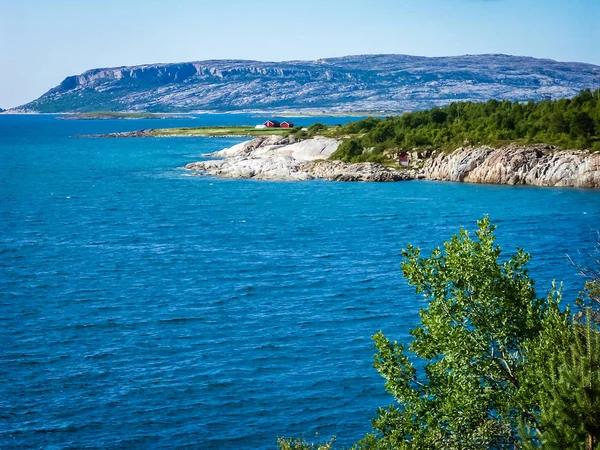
[(572, 123), (316, 127), (348, 150), (438, 116), (582, 124), (466, 384), (569, 417), (559, 124), (590, 297)]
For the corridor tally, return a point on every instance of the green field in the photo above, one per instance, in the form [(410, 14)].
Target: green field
[(220, 131)]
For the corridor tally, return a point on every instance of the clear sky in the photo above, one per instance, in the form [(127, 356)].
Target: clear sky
[(43, 41)]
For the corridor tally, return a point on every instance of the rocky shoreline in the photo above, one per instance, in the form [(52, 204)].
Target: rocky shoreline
[(534, 165), (282, 158), (121, 134)]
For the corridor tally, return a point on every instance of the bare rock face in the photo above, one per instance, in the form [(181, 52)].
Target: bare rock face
[(277, 158), (342, 171), (271, 168), (265, 146), (281, 158), (267, 158), (535, 165), (364, 82)]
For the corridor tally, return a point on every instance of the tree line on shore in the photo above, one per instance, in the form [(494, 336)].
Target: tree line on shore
[(491, 365), (568, 123)]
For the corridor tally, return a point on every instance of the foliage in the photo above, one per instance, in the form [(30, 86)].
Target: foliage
[(316, 127), (482, 323), (569, 404), (590, 297), (569, 123), (348, 150), (351, 150), (491, 366)]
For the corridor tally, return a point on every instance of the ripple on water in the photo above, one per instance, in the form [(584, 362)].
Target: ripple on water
[(152, 309)]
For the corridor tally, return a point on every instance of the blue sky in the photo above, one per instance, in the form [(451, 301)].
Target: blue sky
[(42, 42)]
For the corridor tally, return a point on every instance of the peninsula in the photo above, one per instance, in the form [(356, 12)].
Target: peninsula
[(282, 158), (492, 142), (231, 131)]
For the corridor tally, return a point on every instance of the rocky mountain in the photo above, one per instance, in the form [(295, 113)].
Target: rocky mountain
[(352, 83)]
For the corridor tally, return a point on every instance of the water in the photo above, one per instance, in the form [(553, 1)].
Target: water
[(142, 307)]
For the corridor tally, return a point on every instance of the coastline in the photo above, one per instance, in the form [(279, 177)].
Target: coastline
[(284, 159)]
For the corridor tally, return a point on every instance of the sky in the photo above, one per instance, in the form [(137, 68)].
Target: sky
[(43, 41)]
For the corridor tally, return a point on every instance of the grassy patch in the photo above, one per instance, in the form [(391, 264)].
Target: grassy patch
[(221, 131)]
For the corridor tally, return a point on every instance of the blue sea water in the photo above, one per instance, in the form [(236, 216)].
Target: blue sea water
[(141, 307)]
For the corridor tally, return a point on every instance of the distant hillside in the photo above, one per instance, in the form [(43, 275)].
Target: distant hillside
[(352, 83)]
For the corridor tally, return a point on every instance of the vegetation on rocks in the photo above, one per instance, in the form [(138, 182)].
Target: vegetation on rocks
[(491, 365), (568, 123), (220, 131)]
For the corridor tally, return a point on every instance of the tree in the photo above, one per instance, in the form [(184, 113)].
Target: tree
[(590, 297), (467, 383), (316, 127), (348, 150), (438, 116), (569, 417), (559, 124), (582, 124), (568, 123)]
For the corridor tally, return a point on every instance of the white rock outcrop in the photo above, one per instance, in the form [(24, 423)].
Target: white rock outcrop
[(536, 165), (282, 158), (365, 171)]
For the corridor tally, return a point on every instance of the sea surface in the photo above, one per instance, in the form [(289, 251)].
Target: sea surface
[(141, 307)]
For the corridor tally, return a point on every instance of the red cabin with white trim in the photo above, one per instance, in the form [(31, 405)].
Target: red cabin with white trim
[(272, 124)]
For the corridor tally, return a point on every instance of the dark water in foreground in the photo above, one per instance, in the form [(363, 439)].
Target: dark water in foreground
[(141, 307)]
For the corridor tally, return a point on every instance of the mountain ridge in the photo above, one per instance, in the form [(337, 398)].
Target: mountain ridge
[(386, 82)]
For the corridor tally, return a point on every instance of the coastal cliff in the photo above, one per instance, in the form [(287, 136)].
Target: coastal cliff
[(283, 158), (535, 165)]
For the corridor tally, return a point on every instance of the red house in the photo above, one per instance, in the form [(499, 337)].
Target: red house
[(287, 124), (403, 158), (272, 124)]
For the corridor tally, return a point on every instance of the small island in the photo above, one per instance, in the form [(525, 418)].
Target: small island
[(110, 115)]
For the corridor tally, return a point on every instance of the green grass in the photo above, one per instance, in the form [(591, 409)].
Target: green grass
[(221, 131)]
